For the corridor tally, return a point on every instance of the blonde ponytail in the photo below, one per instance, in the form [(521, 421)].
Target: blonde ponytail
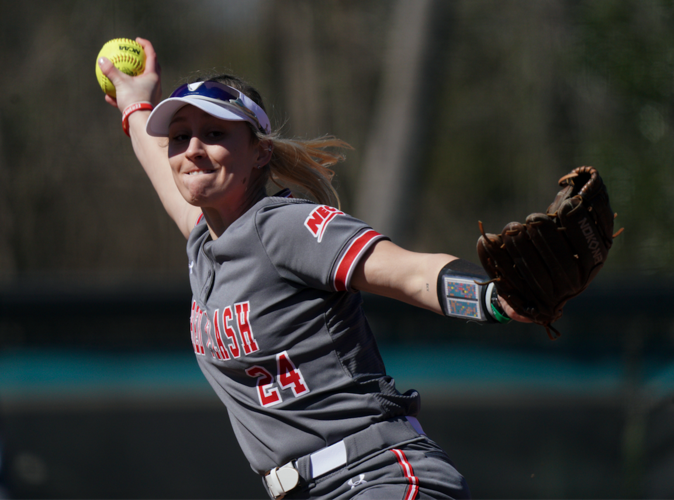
[(306, 164)]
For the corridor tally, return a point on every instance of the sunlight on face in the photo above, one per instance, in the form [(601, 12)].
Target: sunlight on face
[(212, 160)]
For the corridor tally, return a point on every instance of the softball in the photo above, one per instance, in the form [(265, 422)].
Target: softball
[(127, 55)]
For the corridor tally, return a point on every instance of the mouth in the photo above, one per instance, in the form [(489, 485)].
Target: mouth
[(201, 172)]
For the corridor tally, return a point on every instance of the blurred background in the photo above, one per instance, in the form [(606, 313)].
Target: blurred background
[(458, 111)]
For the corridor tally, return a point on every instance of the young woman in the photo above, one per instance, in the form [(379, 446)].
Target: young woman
[(276, 321)]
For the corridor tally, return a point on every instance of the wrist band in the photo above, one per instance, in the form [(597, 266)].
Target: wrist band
[(495, 308), (465, 292), (132, 108), (494, 305), (499, 317), (461, 293)]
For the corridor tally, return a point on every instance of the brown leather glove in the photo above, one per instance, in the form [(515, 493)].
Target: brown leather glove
[(539, 265)]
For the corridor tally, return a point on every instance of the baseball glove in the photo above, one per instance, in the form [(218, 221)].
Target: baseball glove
[(539, 265)]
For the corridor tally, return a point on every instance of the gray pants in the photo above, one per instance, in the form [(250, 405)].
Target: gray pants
[(414, 469)]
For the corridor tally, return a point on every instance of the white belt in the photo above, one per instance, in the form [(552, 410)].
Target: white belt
[(281, 480)]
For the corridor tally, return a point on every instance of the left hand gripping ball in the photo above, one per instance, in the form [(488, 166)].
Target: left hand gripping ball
[(127, 55)]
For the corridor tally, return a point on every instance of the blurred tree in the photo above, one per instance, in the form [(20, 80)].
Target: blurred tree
[(395, 155), (73, 197), (534, 89), (499, 114), (623, 65), (525, 92), (6, 220), (325, 64)]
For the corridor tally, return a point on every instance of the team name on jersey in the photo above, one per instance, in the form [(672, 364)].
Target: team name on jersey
[(228, 334), (318, 220)]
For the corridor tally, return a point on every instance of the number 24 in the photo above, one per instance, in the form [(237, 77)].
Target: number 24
[(289, 377)]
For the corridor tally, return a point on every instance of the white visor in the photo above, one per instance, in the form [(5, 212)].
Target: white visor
[(241, 109)]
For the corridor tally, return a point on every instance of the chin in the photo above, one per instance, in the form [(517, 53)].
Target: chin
[(203, 200), (198, 201), (194, 197)]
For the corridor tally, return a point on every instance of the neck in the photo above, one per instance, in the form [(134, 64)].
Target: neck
[(218, 220)]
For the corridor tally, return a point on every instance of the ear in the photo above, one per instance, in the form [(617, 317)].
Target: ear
[(264, 150)]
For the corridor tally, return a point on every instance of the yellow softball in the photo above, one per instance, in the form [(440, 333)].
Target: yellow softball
[(127, 55)]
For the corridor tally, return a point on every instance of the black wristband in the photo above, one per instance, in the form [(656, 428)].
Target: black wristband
[(461, 292)]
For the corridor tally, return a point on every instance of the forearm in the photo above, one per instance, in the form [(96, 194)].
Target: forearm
[(411, 277), (146, 88), (152, 155), (420, 288), (394, 272)]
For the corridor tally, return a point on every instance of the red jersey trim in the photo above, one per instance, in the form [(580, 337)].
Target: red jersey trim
[(350, 258)]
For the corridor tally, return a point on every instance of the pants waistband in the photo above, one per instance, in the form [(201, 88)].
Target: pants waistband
[(358, 446), (361, 444)]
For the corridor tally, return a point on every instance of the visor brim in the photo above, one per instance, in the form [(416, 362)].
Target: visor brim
[(160, 118)]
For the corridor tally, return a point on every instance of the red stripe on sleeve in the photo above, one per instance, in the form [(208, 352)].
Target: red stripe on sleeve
[(351, 257)]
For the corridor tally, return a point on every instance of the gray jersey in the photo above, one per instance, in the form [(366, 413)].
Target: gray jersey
[(279, 334)]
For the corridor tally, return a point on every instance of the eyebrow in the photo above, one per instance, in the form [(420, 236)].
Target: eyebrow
[(177, 120), (207, 116)]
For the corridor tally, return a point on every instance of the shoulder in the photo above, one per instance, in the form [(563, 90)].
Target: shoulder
[(289, 209), (301, 217), (283, 201), (312, 244)]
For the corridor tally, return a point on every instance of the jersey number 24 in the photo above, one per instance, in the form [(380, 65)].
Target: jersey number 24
[(288, 377)]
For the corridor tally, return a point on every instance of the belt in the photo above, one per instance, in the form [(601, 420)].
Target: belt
[(377, 437)]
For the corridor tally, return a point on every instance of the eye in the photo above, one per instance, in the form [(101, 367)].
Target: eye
[(214, 134), (179, 137)]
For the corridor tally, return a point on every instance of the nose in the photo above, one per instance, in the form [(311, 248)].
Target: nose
[(195, 149)]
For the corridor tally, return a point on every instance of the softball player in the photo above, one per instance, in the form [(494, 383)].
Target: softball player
[(276, 320)]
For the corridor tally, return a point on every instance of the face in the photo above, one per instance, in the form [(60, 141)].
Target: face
[(212, 160)]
